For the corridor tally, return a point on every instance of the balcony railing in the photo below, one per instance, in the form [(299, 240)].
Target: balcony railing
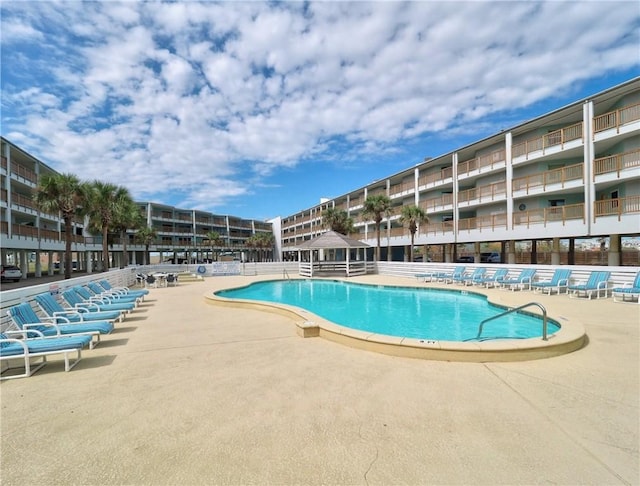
[(437, 228), (551, 139), (3, 162), (491, 221), (487, 192), (436, 177), (23, 172), (544, 179), (552, 214), (616, 163), (433, 203), (400, 188), (20, 200), (616, 207), (496, 157), (616, 119)]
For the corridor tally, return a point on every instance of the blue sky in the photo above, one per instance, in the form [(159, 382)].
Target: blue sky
[(260, 109)]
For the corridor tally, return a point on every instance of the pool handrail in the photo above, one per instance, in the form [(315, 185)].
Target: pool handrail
[(515, 309)]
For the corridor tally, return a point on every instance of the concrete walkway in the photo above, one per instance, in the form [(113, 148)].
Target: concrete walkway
[(184, 392)]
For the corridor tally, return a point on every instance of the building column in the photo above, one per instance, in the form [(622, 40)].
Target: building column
[(88, 261), (448, 252), (615, 257), (50, 263), (571, 257), (24, 263), (476, 252), (555, 251), (534, 252), (511, 252), (38, 264)]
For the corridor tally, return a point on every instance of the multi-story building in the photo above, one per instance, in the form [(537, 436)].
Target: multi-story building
[(32, 236), (571, 174)]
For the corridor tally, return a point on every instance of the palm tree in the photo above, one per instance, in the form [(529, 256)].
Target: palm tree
[(412, 216), (265, 242), (337, 220), (145, 237), (127, 217), (377, 207), (63, 193), (103, 202)]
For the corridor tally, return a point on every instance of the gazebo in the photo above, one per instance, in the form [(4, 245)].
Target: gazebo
[(332, 253)]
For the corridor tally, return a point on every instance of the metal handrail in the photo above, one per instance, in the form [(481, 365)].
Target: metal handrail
[(540, 306), (285, 274)]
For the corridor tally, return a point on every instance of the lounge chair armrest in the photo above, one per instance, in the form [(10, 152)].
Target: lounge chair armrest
[(41, 324), (563, 282), (87, 306), (25, 333)]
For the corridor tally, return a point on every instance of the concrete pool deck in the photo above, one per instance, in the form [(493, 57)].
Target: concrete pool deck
[(184, 392)]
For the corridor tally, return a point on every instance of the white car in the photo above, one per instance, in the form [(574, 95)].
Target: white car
[(11, 272)]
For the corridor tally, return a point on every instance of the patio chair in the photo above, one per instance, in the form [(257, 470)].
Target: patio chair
[(150, 282), (77, 297), (632, 291), (123, 290), (477, 275), (454, 276), (25, 319), (172, 279), (491, 281), (525, 279), (559, 281), (53, 308), (100, 292), (596, 284), (39, 348)]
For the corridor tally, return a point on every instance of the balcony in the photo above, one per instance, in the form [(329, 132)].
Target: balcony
[(489, 222), (22, 201), (616, 207), (550, 177), (436, 178), (551, 139), (24, 173), (438, 228), (400, 189), (486, 193), (616, 119), (437, 203), (554, 214), (616, 163), (495, 159)]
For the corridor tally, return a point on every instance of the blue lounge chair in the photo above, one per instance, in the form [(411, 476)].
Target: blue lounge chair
[(123, 290), (492, 280), (25, 319), (454, 276), (558, 282), (596, 284), (97, 291), (476, 276), (39, 348), (79, 297), (630, 292), (53, 308), (522, 281)]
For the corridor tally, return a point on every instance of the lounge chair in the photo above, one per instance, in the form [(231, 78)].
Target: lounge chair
[(522, 281), (123, 290), (492, 280), (25, 319), (596, 284), (78, 297), (630, 291), (558, 282), (40, 347), (112, 297), (476, 276), (454, 276), (53, 308)]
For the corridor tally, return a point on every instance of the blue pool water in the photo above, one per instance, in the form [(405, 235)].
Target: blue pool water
[(442, 315)]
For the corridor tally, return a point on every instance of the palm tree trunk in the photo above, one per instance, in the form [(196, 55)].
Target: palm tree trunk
[(105, 249), (67, 248), (125, 254), (378, 247)]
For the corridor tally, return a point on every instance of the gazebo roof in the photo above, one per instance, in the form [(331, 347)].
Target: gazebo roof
[(331, 239)]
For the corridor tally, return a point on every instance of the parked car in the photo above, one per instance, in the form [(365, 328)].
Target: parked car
[(11, 273), (465, 259), (490, 257)]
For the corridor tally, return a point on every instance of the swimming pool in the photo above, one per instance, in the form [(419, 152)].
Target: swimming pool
[(418, 313)]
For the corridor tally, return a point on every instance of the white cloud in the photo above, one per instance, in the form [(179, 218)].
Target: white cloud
[(203, 99)]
